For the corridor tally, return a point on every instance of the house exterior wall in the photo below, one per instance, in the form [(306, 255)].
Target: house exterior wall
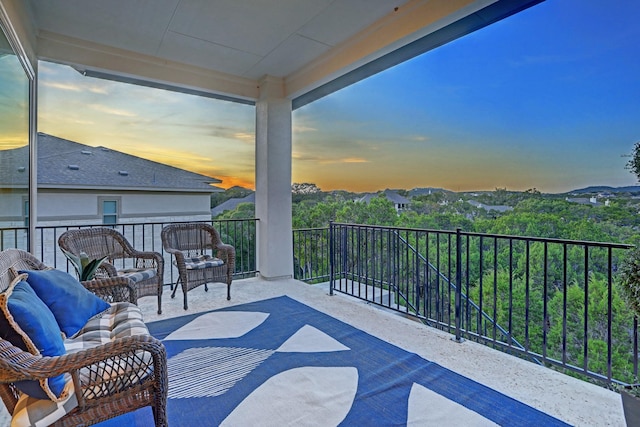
[(57, 208), (13, 233), (11, 209)]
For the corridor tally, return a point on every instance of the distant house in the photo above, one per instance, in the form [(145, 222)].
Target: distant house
[(231, 204), (488, 208), (591, 201), (80, 185), (427, 191), (399, 202)]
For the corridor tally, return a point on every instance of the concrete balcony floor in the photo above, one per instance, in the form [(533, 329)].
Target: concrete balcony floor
[(574, 401), (571, 400)]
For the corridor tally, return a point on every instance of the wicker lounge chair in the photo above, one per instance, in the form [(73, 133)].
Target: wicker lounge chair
[(145, 269), (107, 379), (200, 256)]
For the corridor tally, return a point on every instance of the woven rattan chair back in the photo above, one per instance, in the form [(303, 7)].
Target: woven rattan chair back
[(103, 241), (186, 241)]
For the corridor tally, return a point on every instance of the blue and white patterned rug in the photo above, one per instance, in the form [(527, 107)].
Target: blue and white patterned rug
[(279, 362)]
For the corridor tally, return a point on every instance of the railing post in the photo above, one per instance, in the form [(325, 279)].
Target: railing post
[(458, 298), (331, 258)]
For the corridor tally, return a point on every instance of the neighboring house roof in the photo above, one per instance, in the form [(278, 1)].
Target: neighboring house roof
[(14, 168), (389, 194), (497, 208), (67, 164), (231, 204), (428, 190)]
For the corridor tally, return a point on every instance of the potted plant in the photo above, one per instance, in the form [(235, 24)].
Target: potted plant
[(85, 267)]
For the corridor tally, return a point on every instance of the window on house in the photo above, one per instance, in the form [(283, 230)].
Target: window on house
[(109, 212)]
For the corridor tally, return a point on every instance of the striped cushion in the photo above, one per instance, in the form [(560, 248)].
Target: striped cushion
[(33, 412), (138, 274), (121, 320), (202, 261), (196, 258)]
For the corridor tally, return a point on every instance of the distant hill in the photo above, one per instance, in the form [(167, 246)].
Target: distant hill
[(603, 188)]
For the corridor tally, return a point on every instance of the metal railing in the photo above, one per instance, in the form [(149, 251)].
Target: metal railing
[(311, 254), (553, 301), (240, 233), (14, 237)]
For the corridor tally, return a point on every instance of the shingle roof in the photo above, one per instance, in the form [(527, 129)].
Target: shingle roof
[(14, 170), (67, 164), (231, 204), (497, 208)]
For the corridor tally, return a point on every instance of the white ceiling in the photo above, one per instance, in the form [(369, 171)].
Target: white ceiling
[(226, 46), (247, 38)]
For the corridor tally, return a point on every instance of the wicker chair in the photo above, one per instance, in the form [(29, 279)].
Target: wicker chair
[(146, 269), (96, 402), (189, 244)]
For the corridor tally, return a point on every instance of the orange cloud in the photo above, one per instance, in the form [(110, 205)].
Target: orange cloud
[(232, 181)]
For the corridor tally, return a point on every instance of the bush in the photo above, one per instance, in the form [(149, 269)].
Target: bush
[(630, 279)]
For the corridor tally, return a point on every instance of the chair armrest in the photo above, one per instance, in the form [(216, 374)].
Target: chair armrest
[(227, 253), (226, 249), (113, 289), (177, 253), (17, 365), (156, 259), (106, 269)]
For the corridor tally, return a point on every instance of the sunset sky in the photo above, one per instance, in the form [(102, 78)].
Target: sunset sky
[(549, 98)]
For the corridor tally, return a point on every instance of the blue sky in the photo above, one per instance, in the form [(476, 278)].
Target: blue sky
[(546, 99)]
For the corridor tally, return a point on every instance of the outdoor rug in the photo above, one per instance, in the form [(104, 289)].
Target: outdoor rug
[(279, 362)]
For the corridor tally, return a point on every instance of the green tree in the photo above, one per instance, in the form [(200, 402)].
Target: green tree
[(242, 211), (634, 162)]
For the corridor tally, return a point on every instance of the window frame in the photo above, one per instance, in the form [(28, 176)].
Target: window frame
[(101, 211)]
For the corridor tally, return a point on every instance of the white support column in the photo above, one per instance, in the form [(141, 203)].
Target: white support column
[(273, 180)]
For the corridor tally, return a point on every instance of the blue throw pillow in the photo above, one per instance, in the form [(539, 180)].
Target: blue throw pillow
[(70, 302), (27, 323)]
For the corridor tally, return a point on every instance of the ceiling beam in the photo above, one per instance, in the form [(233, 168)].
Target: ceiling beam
[(448, 21), (415, 19), (122, 65)]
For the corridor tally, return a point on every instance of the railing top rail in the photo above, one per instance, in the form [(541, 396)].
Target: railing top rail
[(310, 229), (388, 227), (494, 236), (124, 224), (551, 240)]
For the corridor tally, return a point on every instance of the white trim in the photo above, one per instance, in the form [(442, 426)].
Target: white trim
[(12, 36)]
